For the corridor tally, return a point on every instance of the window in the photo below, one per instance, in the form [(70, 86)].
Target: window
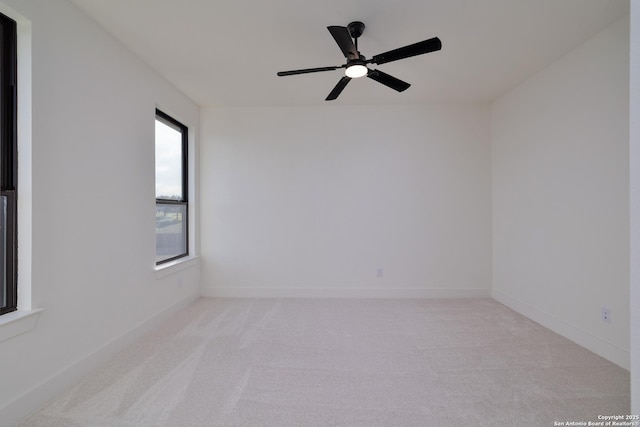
[(8, 168), (172, 209)]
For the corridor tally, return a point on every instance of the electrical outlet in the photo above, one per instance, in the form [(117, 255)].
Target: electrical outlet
[(179, 282), (380, 272), (606, 315)]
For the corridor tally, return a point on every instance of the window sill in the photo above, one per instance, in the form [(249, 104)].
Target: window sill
[(18, 322), (172, 267)]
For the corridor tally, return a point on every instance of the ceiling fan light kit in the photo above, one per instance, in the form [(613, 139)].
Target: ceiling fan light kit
[(356, 71), (356, 66)]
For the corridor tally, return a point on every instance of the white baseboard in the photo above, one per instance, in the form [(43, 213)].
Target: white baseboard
[(33, 399), (228, 292), (602, 348)]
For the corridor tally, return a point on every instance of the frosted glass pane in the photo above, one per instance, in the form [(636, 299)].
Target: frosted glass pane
[(171, 233)]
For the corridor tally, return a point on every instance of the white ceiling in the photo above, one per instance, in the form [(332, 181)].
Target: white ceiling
[(227, 52)]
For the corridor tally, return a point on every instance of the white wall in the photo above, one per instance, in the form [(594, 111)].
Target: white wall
[(634, 115), (561, 195), (312, 201), (92, 248)]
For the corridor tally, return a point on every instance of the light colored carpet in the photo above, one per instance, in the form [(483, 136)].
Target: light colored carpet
[(344, 362)]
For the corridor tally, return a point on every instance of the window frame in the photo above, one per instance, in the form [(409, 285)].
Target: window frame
[(184, 201), (8, 157)]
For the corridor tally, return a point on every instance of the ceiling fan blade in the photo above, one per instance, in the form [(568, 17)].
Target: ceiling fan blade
[(343, 38), (306, 70), (419, 48), (388, 80), (338, 89)]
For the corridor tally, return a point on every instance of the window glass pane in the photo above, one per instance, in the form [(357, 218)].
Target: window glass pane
[(168, 162), (3, 251), (171, 231), (8, 163)]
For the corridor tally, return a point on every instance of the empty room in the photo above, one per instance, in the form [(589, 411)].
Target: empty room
[(367, 213)]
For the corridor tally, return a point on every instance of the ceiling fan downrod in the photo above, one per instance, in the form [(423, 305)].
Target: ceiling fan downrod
[(356, 28)]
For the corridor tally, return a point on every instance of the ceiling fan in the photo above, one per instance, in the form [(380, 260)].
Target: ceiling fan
[(356, 65)]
